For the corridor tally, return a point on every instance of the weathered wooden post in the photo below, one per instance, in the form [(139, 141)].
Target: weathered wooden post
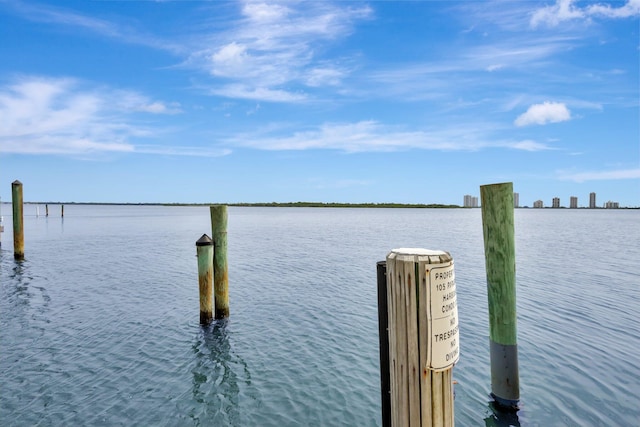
[(204, 249), (220, 268), (499, 250), (62, 211), (18, 226), (46, 210), (423, 336)]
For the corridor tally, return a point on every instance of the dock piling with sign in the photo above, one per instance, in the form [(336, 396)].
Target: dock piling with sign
[(499, 248), (422, 336), (18, 216), (220, 268)]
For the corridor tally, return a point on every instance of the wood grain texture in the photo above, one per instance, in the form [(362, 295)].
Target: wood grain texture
[(220, 267), (419, 396), (499, 249)]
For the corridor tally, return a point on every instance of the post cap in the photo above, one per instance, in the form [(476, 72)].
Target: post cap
[(418, 251), (16, 182), (433, 256), (204, 241)]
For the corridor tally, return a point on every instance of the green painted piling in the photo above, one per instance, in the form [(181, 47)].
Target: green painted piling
[(499, 249), (204, 249), (18, 225), (220, 268)]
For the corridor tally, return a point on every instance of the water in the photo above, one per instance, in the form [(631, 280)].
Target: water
[(99, 325)]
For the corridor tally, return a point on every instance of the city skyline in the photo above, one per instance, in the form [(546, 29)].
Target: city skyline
[(470, 200), (347, 101)]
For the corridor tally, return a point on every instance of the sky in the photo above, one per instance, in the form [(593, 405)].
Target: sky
[(328, 101)]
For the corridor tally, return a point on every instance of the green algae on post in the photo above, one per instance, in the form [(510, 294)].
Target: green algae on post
[(204, 249), (18, 225), (220, 268), (499, 250)]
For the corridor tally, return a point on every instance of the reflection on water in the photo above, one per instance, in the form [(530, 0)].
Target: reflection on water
[(30, 301), (499, 417), (218, 375)]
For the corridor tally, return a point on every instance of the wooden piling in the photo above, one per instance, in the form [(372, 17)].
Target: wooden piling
[(499, 248), (46, 210), (62, 211), (423, 336), (220, 268), (18, 226), (383, 334), (204, 249)]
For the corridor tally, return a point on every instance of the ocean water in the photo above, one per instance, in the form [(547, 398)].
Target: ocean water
[(99, 324)]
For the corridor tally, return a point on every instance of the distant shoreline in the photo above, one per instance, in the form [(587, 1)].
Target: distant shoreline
[(269, 204), (312, 205)]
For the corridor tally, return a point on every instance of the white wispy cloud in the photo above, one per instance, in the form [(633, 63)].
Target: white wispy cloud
[(271, 52), (250, 92), (274, 47), (529, 145), (182, 150), (629, 9), (492, 68), (567, 10), (541, 114), (49, 14), (600, 175), (66, 116), (370, 135)]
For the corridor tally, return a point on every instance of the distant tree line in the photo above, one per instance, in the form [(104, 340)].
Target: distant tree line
[(269, 204), (344, 205)]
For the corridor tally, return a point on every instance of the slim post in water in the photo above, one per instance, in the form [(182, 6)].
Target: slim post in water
[(18, 225), (204, 249), (220, 268), (499, 251)]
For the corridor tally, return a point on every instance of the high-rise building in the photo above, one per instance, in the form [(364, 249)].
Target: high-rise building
[(612, 205), (573, 202), (470, 201), (555, 203), (538, 204), (516, 200), (592, 200)]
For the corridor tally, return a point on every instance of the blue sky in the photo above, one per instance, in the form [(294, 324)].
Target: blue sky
[(345, 101)]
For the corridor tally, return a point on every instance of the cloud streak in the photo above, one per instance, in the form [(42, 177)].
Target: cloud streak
[(602, 175), (566, 10), (272, 53), (64, 116), (60, 16), (372, 136)]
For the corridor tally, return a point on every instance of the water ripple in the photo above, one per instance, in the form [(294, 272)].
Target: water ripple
[(99, 325)]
